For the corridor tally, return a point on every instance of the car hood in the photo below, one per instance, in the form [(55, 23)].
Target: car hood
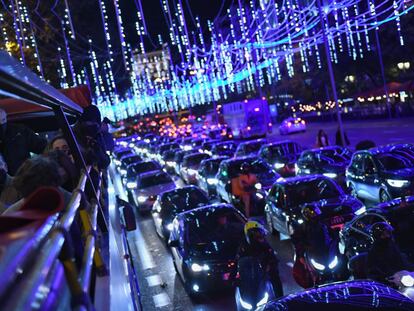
[(216, 251), (156, 190), (288, 158), (342, 205), (406, 173)]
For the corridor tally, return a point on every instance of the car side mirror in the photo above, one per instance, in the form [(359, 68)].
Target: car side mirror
[(173, 243)]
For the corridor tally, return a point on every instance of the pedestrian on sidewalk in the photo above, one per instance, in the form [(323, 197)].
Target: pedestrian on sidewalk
[(322, 139)]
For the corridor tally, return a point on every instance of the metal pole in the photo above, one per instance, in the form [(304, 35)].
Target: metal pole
[(384, 81), (331, 73)]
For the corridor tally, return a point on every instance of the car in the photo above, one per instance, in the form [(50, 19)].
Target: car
[(190, 165), (149, 186), (344, 296), (207, 146), (292, 125), (330, 161), (171, 203), (204, 244), (135, 169), (282, 156), (206, 176), (167, 157), (127, 160), (226, 148), (249, 148), (119, 153), (230, 169), (287, 197), (179, 157), (165, 147), (382, 173)]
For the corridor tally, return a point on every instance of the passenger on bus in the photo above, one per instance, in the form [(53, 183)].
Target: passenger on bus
[(5, 179), (16, 143), (67, 169), (59, 143), (89, 136), (36, 172), (107, 137)]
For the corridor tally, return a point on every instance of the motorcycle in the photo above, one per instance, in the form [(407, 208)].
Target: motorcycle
[(254, 288), (326, 264), (404, 281)]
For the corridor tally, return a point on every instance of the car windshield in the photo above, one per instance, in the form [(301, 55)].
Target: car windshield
[(310, 191), (396, 160), (145, 167), (168, 147), (132, 159), (211, 168), (332, 156), (282, 150), (185, 199), (259, 167), (195, 160), (154, 180), (169, 155), (225, 147), (215, 225), (252, 147)]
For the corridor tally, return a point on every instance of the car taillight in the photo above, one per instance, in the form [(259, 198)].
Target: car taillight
[(289, 124), (303, 122)]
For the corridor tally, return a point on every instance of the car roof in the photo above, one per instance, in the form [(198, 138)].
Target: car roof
[(240, 159), (195, 154), (182, 189), (387, 148), (253, 141), (152, 173), (201, 210), (292, 180), (325, 148), (279, 143)]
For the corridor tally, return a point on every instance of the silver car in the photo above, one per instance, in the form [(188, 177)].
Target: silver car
[(149, 186)]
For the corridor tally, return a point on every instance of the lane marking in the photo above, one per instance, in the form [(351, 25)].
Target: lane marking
[(161, 300), (154, 280), (289, 264), (147, 262)]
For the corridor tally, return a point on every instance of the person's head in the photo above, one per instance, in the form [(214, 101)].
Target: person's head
[(67, 169), (34, 173), (59, 143), (311, 212), (245, 168), (91, 114), (254, 232), (381, 231), (105, 124)]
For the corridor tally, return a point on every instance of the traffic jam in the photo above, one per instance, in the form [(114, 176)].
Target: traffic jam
[(217, 194)]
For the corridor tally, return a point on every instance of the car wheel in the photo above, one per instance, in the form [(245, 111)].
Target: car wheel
[(384, 197)]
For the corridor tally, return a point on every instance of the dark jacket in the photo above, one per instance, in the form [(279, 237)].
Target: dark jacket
[(310, 236), (17, 143), (384, 260)]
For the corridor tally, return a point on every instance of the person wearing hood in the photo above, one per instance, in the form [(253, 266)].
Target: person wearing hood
[(17, 142)]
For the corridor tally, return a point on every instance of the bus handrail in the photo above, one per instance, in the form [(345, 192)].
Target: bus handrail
[(49, 252)]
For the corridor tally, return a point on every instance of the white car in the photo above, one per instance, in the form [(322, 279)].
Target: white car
[(292, 125), (149, 186)]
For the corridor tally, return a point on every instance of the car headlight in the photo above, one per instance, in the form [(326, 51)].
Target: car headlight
[(407, 281), (190, 171), (170, 163), (258, 186), (360, 211), (198, 268), (212, 181), (330, 175), (123, 172), (317, 265), (170, 227), (300, 221), (279, 165), (263, 300), (187, 147), (259, 195), (131, 184), (245, 304), (398, 183), (333, 263), (142, 198)]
